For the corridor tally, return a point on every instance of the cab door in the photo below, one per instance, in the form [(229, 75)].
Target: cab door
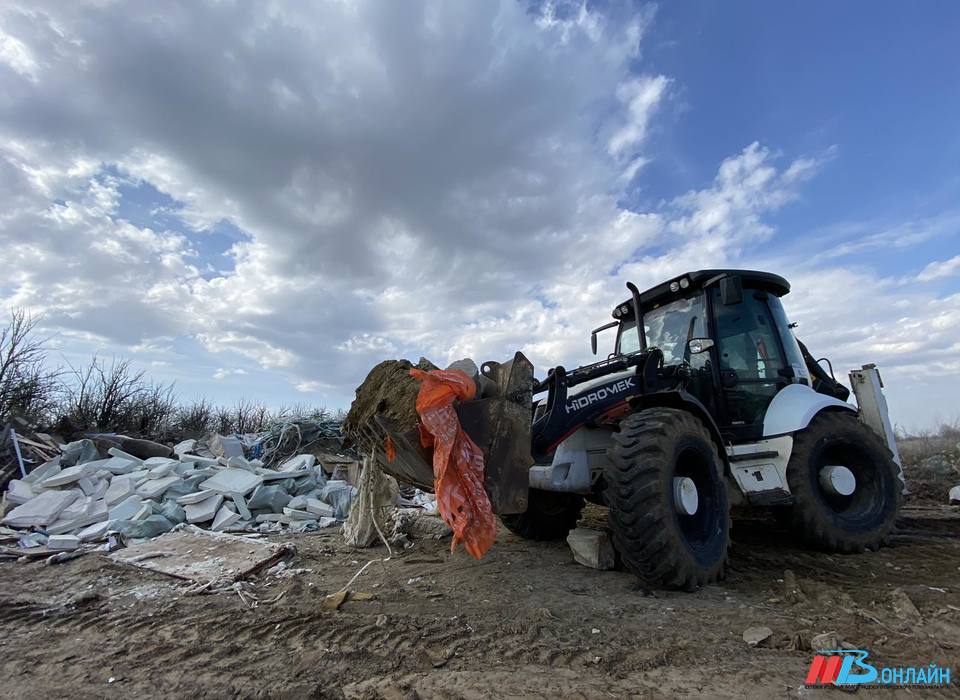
[(751, 363)]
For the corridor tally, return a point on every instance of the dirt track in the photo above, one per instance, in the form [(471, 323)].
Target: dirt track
[(526, 621)]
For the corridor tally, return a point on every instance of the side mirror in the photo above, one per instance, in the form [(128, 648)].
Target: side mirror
[(593, 334), (698, 345), (731, 290)]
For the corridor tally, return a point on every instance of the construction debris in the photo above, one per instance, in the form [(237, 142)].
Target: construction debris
[(111, 483), (196, 555), (592, 548)]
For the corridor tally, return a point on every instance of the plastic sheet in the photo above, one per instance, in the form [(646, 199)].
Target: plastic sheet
[(457, 461)]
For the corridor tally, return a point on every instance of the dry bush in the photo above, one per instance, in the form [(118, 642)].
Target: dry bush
[(114, 397), (27, 387)]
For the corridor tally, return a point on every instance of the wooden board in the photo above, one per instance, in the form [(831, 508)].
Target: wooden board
[(198, 555)]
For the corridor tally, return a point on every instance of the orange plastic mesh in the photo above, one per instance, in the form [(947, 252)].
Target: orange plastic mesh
[(457, 461)]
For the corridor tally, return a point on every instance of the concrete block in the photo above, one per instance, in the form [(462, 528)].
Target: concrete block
[(94, 512), (592, 548), (85, 484), (298, 463), (126, 509), (43, 471), (95, 531), (139, 476), (224, 519), (120, 465), (197, 459), (154, 488), (78, 452), (41, 510), (953, 497), (318, 507), (185, 447), (173, 512), (161, 470), (63, 542), (268, 497), (226, 446), (195, 497), (241, 506), (298, 503), (270, 475), (120, 487), (117, 452), (229, 481), (100, 487), (294, 514), (19, 492), (65, 476), (240, 463), (270, 517), (145, 511), (204, 510)]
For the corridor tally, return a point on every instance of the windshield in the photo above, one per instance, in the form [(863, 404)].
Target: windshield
[(667, 327)]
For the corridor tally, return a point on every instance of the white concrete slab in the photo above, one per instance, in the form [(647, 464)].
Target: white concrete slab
[(230, 480), (318, 507), (204, 510), (295, 514), (41, 510), (241, 505), (154, 488), (120, 487), (117, 452), (224, 519), (43, 471), (65, 476), (19, 492), (126, 509), (195, 497), (63, 542), (298, 463), (95, 531), (95, 512)]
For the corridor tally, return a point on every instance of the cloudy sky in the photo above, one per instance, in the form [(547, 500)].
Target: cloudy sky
[(264, 199)]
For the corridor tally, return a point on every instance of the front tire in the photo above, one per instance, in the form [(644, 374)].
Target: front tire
[(657, 541), (838, 523), (549, 516)]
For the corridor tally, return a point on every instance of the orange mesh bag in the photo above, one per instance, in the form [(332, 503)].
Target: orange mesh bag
[(457, 461)]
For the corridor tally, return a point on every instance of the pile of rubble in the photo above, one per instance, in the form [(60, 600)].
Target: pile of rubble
[(83, 494)]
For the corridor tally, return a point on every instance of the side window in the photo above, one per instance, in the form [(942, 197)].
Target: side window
[(747, 338)]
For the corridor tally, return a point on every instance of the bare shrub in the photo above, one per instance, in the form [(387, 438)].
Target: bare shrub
[(27, 387), (114, 397)]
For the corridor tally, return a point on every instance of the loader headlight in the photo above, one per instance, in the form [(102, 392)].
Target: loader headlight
[(674, 286), (624, 309), (684, 283)]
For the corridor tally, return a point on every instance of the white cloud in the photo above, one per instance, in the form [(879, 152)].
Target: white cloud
[(430, 178), (940, 269), (224, 372)]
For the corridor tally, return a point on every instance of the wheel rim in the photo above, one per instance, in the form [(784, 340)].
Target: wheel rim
[(865, 500), (702, 528)]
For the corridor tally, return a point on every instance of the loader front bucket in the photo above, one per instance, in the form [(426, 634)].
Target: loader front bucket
[(499, 422)]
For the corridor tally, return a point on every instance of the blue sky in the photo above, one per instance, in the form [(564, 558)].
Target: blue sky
[(264, 201)]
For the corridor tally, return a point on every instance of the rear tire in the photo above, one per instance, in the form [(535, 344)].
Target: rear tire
[(662, 546), (549, 516), (862, 520)]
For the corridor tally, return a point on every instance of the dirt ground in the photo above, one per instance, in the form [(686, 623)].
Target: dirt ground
[(525, 622)]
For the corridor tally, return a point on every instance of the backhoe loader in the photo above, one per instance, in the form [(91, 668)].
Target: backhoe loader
[(706, 400)]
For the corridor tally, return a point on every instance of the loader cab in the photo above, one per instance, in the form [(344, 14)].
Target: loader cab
[(725, 340)]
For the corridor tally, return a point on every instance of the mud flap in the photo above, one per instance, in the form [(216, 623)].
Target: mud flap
[(499, 423)]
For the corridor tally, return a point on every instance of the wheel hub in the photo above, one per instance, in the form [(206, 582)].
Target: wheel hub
[(838, 480), (685, 496)]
